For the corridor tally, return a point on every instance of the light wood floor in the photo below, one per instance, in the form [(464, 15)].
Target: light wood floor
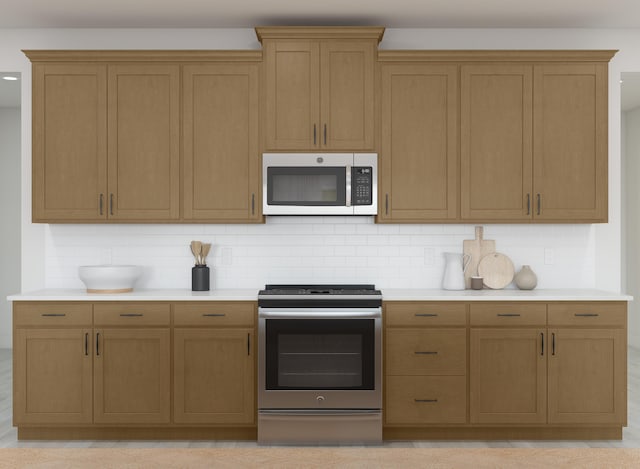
[(631, 435)]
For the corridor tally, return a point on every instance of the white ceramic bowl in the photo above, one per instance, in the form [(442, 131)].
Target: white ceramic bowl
[(109, 278)]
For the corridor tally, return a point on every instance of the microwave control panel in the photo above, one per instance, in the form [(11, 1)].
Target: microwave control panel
[(361, 185)]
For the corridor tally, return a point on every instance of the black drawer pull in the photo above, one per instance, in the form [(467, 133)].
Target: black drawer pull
[(426, 353), (53, 315), (131, 315), (426, 315), (426, 400), (508, 315), (586, 315), (214, 315)]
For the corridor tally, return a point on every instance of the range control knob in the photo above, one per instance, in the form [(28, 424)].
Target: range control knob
[(320, 399)]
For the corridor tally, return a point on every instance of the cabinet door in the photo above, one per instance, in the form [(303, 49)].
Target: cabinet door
[(292, 95), (346, 95), (214, 376), (570, 142), (144, 149), (508, 376), (69, 142), (53, 369), (132, 376), (587, 376), (419, 143), (221, 155), (496, 142)]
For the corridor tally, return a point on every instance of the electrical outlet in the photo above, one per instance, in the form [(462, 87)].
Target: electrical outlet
[(106, 256), (549, 257), (429, 256), (227, 256)]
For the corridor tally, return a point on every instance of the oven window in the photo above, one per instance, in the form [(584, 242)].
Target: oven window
[(320, 353), (306, 185)]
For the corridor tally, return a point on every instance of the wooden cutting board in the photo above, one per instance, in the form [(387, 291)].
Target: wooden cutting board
[(496, 270), (477, 249)]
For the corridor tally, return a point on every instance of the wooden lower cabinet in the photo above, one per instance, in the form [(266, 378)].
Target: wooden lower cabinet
[(415, 400), (213, 376), (508, 376), (132, 375), (587, 376), (52, 376)]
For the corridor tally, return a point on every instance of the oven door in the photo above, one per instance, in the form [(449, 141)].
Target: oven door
[(316, 358)]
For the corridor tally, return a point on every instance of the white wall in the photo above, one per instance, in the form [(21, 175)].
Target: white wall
[(585, 255), (631, 133), (10, 216)]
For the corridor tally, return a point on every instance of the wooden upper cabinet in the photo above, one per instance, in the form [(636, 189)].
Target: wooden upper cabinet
[(144, 147), (419, 142), (496, 142), (570, 142), (69, 142), (220, 141), (319, 87)]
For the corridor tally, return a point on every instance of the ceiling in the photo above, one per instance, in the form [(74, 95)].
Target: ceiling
[(391, 14)]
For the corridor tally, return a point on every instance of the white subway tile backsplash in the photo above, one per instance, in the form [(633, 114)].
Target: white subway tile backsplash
[(313, 249)]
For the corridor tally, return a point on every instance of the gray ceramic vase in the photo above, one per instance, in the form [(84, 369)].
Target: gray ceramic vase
[(526, 278)]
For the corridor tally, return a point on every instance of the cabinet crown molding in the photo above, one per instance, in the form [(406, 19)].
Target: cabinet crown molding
[(143, 55), (319, 32), (511, 56)]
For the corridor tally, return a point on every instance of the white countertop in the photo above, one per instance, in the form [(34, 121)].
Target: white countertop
[(388, 294), (392, 294)]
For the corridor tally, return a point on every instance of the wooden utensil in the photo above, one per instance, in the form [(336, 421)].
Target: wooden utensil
[(496, 270), (477, 249), (205, 252), (196, 248)]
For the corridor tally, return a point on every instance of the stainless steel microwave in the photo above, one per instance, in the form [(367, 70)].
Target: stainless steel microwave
[(320, 183)]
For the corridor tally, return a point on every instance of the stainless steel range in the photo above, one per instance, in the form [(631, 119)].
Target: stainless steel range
[(319, 364)]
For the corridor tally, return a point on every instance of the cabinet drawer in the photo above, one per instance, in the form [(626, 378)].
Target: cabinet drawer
[(214, 314), (426, 352), (588, 314), (425, 399), (425, 314), (132, 314), (52, 314), (508, 314)]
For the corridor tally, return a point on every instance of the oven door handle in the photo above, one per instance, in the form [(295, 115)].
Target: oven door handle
[(279, 314)]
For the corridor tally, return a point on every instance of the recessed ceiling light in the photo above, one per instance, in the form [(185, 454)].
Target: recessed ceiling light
[(9, 78)]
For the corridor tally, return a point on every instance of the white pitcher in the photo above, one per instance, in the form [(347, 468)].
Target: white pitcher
[(454, 267)]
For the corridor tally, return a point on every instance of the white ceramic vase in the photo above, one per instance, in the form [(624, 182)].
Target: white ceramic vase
[(526, 278)]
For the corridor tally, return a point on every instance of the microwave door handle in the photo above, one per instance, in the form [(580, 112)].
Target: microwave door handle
[(348, 192)]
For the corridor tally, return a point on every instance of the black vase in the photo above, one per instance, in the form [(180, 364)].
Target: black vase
[(200, 278)]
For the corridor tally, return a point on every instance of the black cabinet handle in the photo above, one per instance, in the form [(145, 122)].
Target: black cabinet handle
[(539, 204), (314, 134), (426, 315), (528, 204), (426, 353), (214, 315), (325, 134), (509, 315), (553, 343), (386, 204), (97, 344), (426, 400), (248, 344), (110, 204), (101, 203), (253, 204), (86, 344), (53, 315), (131, 315), (542, 344), (586, 315)]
